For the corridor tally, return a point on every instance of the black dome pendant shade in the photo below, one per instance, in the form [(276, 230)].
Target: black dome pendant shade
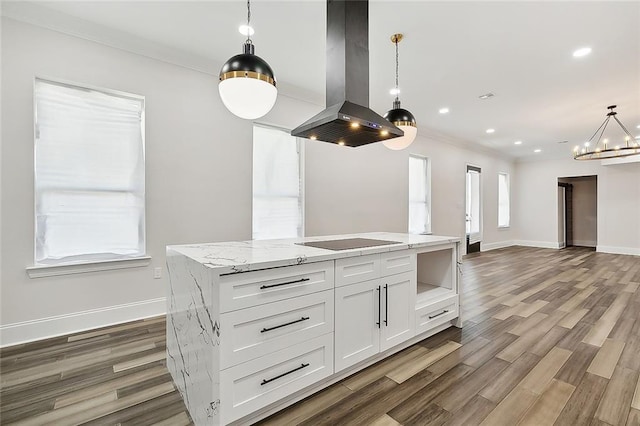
[(247, 64), (400, 116)]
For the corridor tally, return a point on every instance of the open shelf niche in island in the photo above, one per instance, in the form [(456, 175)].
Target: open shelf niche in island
[(436, 270), (437, 291)]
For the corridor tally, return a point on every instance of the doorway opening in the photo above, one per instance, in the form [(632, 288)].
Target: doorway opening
[(578, 211), (473, 211)]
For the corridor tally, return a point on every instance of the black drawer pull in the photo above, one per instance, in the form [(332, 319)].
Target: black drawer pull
[(284, 325), (287, 283), (437, 315), (265, 381)]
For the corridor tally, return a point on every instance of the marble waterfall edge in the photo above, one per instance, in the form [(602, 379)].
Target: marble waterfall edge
[(193, 337)]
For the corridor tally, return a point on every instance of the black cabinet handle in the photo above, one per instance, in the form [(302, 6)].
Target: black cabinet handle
[(265, 381), (437, 315), (284, 325), (386, 305), (287, 283), (379, 307)]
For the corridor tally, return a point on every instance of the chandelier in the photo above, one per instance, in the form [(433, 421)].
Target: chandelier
[(603, 148)]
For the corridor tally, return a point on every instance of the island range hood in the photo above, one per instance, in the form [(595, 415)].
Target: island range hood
[(347, 120)]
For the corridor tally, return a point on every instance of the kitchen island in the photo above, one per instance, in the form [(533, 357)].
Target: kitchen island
[(254, 326)]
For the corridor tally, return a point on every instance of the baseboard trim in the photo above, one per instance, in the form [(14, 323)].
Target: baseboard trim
[(495, 246), (45, 328), (538, 244), (619, 250)]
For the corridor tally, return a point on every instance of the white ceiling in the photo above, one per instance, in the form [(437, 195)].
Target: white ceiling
[(452, 53)]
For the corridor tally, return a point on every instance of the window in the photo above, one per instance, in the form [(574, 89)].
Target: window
[(503, 200), (419, 195), (277, 184), (89, 174)]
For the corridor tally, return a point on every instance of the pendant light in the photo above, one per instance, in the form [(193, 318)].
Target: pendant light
[(247, 85), (398, 116), (607, 149)]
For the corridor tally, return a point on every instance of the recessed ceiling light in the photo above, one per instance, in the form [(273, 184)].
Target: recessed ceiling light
[(443, 110), (583, 51), (486, 96), (517, 143), (246, 30), (394, 91), (537, 150), (490, 130)]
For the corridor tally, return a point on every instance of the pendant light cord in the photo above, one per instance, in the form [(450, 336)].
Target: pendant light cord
[(397, 68), (248, 21)]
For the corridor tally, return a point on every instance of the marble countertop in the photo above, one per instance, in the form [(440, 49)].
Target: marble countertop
[(243, 256)]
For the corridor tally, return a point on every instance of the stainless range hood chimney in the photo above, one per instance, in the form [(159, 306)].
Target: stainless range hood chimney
[(347, 120)]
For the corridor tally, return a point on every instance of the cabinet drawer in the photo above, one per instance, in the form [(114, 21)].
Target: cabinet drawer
[(396, 262), (250, 386), (254, 288), (253, 332), (435, 314), (357, 269)]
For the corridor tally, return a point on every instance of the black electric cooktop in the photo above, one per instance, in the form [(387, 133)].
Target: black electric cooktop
[(347, 244)]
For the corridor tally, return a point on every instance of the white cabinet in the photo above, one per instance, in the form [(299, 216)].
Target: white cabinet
[(398, 294), (357, 334), (373, 316)]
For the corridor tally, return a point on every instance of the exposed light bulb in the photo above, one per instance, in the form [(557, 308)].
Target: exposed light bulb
[(394, 91), (587, 144)]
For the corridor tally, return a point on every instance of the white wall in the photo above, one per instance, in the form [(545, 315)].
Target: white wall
[(198, 159), (618, 205)]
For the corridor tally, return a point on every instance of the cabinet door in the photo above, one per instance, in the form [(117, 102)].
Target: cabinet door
[(357, 334), (398, 309)]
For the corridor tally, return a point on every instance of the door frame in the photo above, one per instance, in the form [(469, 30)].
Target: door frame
[(464, 210)]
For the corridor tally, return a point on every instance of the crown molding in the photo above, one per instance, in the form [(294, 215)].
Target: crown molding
[(44, 17)]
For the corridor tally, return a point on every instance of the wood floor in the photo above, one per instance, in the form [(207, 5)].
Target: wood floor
[(550, 337)]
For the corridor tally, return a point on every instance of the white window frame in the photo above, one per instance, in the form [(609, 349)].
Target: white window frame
[(428, 225), (301, 180), (508, 201), (89, 262)]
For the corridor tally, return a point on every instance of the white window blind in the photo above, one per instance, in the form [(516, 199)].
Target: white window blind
[(89, 174), (277, 184), (503, 200), (419, 195)]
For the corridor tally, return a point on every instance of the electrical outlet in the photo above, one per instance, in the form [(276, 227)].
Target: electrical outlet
[(157, 273)]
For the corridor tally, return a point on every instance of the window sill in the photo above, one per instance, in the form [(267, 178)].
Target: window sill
[(40, 271), (504, 227)]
